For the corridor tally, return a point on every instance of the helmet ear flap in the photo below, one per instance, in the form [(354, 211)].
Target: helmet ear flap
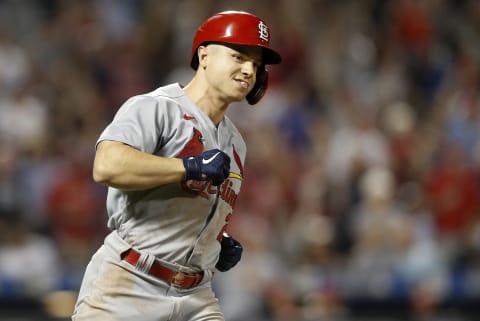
[(260, 86)]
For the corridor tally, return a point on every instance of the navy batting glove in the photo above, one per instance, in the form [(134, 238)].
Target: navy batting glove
[(212, 165), (230, 254)]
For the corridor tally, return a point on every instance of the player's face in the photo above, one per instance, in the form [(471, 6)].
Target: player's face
[(231, 71)]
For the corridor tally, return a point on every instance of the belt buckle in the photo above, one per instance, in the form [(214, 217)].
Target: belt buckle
[(177, 278)]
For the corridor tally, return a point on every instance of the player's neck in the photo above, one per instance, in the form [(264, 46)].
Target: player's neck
[(200, 95)]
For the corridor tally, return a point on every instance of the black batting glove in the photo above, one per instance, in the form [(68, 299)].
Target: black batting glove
[(230, 254), (212, 165)]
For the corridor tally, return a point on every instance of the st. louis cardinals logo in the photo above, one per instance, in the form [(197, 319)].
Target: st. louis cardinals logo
[(263, 31), (226, 191), (238, 161), (194, 145)]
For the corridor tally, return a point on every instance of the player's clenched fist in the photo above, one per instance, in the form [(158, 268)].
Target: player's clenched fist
[(230, 253), (212, 165)]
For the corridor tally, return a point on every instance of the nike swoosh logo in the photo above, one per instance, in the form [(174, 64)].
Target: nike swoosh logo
[(188, 117), (209, 160)]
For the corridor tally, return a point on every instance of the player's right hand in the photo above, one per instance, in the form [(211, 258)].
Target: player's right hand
[(211, 165)]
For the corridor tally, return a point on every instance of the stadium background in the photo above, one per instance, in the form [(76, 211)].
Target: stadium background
[(361, 197)]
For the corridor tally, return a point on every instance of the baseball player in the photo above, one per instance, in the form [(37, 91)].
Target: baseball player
[(174, 166)]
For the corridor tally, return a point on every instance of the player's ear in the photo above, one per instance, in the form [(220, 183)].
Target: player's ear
[(202, 53)]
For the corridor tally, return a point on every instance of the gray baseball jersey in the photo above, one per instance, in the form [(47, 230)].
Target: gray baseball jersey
[(179, 223)]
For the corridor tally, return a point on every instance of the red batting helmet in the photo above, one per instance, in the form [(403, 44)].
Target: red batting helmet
[(239, 28), (235, 27)]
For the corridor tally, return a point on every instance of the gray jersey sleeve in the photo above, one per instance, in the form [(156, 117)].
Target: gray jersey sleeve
[(139, 123)]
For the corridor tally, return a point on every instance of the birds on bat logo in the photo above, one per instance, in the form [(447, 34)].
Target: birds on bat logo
[(194, 146), (188, 117), (238, 161)]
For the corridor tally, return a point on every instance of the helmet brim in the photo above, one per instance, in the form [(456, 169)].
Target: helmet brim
[(269, 56)]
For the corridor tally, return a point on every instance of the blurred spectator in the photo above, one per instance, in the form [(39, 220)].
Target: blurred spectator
[(352, 146), (76, 209), (9, 185), (407, 147), (462, 107), (381, 231), (14, 64), (23, 120), (29, 263), (425, 268), (452, 191)]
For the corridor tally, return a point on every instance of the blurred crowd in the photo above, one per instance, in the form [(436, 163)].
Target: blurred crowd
[(363, 169)]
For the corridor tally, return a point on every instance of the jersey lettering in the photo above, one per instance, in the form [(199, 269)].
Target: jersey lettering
[(205, 188)]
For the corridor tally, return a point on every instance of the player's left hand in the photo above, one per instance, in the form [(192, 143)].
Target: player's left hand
[(230, 254)]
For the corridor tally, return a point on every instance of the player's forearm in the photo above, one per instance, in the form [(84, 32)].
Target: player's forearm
[(121, 166)]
